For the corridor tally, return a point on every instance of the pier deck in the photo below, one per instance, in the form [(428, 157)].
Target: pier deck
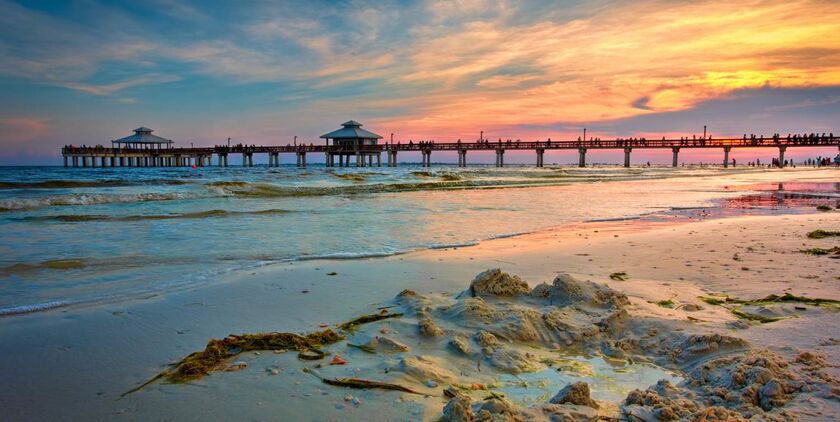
[(366, 155)]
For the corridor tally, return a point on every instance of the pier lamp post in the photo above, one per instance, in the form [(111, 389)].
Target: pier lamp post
[(584, 134), (481, 137)]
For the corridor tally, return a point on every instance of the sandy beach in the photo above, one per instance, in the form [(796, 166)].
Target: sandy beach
[(75, 363)]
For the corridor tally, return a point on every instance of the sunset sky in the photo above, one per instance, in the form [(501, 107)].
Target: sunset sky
[(86, 72)]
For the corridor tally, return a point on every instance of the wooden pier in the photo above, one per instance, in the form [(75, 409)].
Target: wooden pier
[(370, 155)]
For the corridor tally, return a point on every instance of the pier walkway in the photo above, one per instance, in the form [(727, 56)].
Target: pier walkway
[(370, 155)]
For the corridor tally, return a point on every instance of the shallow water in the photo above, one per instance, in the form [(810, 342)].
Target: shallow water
[(76, 236)]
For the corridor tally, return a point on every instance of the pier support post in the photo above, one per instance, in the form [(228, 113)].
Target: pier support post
[(581, 157), (782, 156), (627, 151), (378, 159), (360, 160), (75, 161), (462, 158), (393, 158), (540, 154), (370, 160), (428, 161), (250, 159), (676, 156), (341, 160), (726, 156), (65, 161), (500, 158), (112, 159)]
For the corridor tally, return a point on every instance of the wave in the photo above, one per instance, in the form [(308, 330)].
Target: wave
[(75, 218), (17, 204), (68, 184), (35, 307)]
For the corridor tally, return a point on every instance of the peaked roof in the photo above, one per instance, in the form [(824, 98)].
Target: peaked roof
[(142, 135), (351, 130)]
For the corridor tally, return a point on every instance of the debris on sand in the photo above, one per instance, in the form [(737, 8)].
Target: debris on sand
[(822, 251), (361, 383), (364, 319), (217, 352), (823, 207), (822, 234), (620, 276)]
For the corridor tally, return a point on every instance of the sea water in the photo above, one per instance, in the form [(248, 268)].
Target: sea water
[(74, 236)]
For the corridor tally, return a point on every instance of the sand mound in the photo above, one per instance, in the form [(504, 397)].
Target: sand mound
[(494, 282)]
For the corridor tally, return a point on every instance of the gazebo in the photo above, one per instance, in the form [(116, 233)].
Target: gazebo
[(351, 140), (142, 139)]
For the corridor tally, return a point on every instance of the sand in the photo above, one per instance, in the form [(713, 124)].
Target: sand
[(74, 364)]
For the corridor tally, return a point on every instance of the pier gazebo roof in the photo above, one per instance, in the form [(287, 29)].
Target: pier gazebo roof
[(143, 138), (351, 130)]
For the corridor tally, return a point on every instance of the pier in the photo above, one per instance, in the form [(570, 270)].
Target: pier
[(353, 146)]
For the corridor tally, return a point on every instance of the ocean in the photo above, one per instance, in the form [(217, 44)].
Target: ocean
[(75, 236)]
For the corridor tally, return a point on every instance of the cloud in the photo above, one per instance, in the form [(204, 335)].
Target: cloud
[(110, 89), (21, 129)]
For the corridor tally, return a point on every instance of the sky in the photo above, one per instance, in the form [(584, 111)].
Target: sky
[(262, 72)]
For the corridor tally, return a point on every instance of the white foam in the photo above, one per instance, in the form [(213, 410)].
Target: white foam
[(35, 307)]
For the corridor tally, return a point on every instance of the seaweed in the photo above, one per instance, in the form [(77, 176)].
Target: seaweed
[(753, 317), (364, 319), (822, 234), (822, 251), (823, 207), (714, 300), (361, 383), (668, 303), (620, 276), (787, 297), (196, 365)]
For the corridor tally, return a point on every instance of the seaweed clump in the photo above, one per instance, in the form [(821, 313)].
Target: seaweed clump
[(620, 276), (198, 364), (787, 297), (822, 234), (668, 303), (822, 251), (824, 207)]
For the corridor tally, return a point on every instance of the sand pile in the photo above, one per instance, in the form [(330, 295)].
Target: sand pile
[(459, 347)]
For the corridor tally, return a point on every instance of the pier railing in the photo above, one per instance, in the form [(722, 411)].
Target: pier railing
[(368, 153)]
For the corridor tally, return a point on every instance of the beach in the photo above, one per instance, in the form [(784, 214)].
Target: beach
[(75, 361)]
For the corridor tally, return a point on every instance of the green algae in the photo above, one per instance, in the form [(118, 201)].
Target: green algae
[(360, 383), (668, 303), (824, 207), (753, 317), (822, 234)]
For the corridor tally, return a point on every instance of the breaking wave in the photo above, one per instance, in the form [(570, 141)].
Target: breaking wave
[(75, 218), (87, 199), (68, 184)]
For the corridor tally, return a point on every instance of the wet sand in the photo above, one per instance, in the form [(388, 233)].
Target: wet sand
[(74, 363)]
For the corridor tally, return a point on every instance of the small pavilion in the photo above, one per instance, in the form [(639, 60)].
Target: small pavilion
[(352, 140), (142, 139)]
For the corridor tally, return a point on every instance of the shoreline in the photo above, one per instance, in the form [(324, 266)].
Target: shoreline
[(718, 207), (117, 346)]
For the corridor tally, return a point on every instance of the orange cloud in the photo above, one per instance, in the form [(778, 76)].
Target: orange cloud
[(674, 55)]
